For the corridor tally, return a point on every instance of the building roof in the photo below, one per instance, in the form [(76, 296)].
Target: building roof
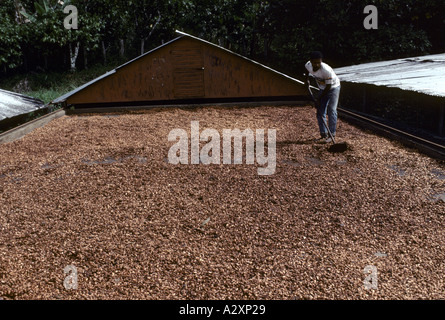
[(74, 91), (14, 104), (424, 74), (70, 94)]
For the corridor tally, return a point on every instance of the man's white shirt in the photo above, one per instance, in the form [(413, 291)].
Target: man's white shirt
[(325, 75)]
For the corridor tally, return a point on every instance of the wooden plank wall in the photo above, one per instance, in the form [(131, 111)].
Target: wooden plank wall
[(188, 72), (184, 69)]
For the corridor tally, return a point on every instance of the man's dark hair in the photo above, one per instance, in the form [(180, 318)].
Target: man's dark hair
[(316, 55)]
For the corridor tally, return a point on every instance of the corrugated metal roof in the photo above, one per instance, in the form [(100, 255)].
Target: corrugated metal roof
[(424, 74), (13, 104)]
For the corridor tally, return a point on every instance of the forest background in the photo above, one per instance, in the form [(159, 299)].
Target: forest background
[(40, 57)]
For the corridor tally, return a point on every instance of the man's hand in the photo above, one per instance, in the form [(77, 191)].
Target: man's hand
[(314, 100), (317, 103), (307, 81), (324, 92)]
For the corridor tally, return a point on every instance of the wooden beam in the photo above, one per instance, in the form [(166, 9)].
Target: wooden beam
[(22, 130), (441, 121), (73, 111)]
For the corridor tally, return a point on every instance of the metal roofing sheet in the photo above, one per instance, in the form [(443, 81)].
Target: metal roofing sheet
[(13, 104), (424, 74)]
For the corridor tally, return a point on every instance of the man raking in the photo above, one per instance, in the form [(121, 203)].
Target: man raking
[(327, 100)]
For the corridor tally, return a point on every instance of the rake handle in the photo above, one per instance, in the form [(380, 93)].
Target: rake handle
[(324, 122)]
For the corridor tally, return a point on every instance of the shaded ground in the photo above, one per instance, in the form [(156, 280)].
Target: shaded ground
[(97, 192)]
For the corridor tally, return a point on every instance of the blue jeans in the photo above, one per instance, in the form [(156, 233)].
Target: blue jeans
[(328, 105)]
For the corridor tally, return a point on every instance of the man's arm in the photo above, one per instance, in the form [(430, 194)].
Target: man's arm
[(325, 91), (328, 76), (308, 83), (308, 87)]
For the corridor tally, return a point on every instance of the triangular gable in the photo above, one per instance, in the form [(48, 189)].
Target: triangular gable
[(186, 69)]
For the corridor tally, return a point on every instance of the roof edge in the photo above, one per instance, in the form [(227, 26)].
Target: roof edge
[(240, 56), (68, 94)]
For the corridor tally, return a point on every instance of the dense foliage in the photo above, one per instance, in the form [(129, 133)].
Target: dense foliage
[(279, 33)]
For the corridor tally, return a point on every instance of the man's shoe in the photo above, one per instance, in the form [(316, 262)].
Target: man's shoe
[(321, 139)]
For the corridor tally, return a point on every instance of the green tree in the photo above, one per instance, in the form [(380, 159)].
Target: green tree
[(10, 48), (113, 17), (46, 32), (87, 35), (44, 29), (146, 16), (279, 33)]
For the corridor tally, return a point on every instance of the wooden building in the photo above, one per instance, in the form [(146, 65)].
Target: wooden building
[(186, 70)]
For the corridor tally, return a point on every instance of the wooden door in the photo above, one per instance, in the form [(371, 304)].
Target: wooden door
[(188, 71)]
